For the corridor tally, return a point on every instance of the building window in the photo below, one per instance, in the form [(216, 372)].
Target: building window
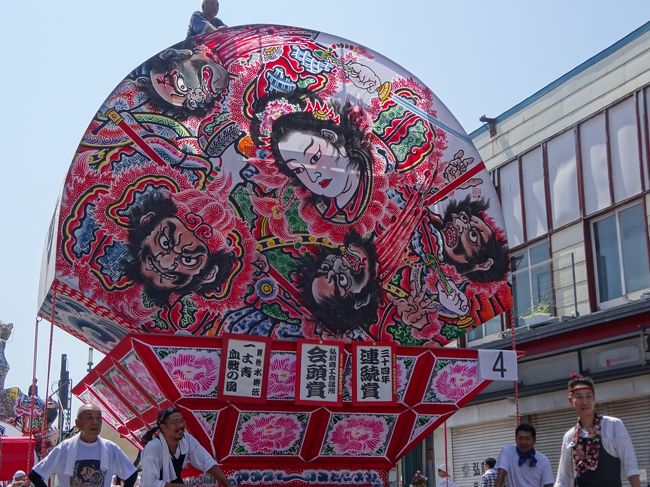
[(621, 253), (595, 171), (532, 284), (563, 179), (645, 116), (511, 202), (490, 327), (534, 193), (624, 148)]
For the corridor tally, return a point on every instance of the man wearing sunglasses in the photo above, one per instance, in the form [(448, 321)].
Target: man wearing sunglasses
[(165, 455)]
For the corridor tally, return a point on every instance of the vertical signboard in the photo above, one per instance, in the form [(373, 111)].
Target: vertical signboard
[(320, 373), (373, 374), (244, 368)]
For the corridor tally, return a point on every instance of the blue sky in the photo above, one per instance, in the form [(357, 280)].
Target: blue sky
[(62, 59)]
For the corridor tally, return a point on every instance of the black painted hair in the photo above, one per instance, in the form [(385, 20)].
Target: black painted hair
[(162, 206), (495, 249), (343, 313)]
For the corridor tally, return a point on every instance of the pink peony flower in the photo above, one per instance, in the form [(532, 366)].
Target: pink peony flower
[(128, 391), (117, 407), (282, 376), (193, 373), (401, 379), (269, 433), (358, 435), (456, 380), (142, 376)]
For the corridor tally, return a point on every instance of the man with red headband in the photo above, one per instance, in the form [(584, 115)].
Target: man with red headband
[(165, 456), (598, 448)]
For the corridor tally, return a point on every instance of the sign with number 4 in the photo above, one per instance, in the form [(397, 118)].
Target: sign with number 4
[(497, 364)]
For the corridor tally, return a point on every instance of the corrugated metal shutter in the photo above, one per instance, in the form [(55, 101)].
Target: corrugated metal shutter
[(473, 444), (550, 428), (635, 413), (550, 368)]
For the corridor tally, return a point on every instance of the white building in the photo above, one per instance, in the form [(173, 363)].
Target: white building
[(572, 167)]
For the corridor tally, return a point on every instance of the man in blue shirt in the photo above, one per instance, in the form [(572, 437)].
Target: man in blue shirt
[(206, 20)]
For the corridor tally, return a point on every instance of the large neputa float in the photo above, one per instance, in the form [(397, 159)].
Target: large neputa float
[(292, 192)]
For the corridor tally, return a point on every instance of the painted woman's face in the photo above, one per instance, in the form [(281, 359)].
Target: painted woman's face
[(321, 167)]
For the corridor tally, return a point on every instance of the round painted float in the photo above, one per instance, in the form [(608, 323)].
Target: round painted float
[(276, 184)]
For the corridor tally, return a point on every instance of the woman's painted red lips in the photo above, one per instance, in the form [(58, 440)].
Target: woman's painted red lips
[(325, 183)]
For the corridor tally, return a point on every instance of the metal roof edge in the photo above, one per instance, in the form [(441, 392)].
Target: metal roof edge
[(562, 79)]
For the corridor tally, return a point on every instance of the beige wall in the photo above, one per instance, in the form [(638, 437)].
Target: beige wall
[(110, 434), (588, 92)]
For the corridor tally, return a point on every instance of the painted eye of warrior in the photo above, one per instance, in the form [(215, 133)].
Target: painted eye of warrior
[(344, 282), (189, 261), (179, 82), (325, 267), (335, 273), (473, 236), (463, 216), (165, 242)]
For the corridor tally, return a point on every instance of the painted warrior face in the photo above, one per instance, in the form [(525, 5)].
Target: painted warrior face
[(464, 236), (341, 274), (192, 81), (171, 255), (319, 164)]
